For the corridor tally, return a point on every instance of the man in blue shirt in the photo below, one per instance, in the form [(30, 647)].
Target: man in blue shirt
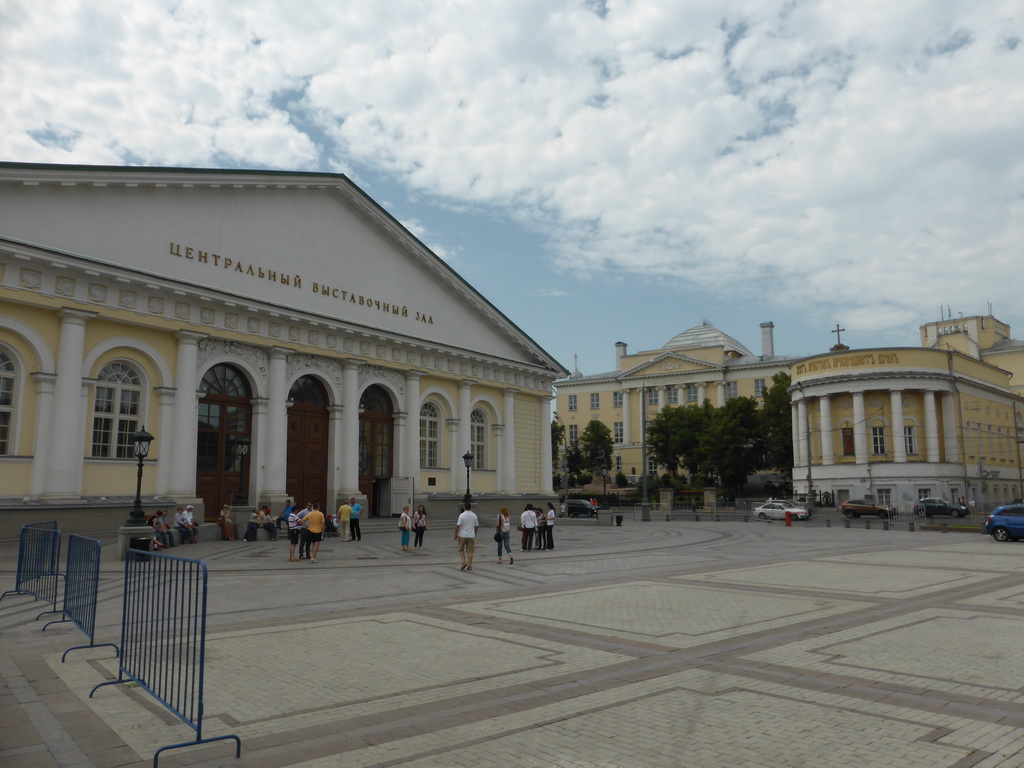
[(353, 521)]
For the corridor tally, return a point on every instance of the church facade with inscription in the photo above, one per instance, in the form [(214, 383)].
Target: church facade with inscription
[(896, 425), (280, 335)]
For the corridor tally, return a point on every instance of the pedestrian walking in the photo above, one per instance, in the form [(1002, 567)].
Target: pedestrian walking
[(419, 526), (465, 534), (502, 529)]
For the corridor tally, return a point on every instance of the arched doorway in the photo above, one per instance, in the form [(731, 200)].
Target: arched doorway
[(225, 416), (376, 445), (307, 442)]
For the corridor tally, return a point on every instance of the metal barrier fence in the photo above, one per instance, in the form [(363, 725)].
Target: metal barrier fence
[(81, 587), (163, 637), (38, 559)]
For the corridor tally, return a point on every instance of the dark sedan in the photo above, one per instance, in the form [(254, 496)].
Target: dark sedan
[(580, 508), (937, 507)]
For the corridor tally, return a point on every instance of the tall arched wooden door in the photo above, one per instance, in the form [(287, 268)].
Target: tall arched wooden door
[(225, 414), (376, 444), (306, 478)]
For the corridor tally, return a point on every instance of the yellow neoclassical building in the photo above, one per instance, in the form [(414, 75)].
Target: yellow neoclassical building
[(899, 424), (280, 334), (701, 363)]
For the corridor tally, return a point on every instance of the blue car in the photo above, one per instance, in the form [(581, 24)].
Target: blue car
[(1006, 523)]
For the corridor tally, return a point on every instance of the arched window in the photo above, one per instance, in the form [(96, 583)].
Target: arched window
[(430, 431), (478, 438), (116, 409), (6, 402)]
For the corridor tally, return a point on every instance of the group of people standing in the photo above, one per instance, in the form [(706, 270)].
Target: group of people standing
[(538, 528), (413, 524)]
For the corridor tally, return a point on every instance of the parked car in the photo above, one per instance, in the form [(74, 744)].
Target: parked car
[(859, 507), (776, 510), (580, 508), (933, 507), (1006, 523)]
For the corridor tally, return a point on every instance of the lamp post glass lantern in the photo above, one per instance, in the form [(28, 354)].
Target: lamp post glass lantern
[(241, 445), (140, 441), (467, 459)]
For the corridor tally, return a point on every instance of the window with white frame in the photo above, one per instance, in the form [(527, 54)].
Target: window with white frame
[(618, 432), (616, 399), (572, 402), (883, 496), (7, 373), (691, 393), (618, 463), (430, 435), (652, 465), (478, 438), (116, 408), (671, 395), (595, 400), (731, 390), (574, 433), (652, 397), (878, 440), (910, 439), (759, 387)]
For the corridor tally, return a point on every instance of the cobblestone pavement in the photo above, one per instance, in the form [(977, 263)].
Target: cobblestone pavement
[(704, 645)]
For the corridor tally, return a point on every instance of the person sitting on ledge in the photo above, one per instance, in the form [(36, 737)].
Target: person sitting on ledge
[(253, 527), (226, 523)]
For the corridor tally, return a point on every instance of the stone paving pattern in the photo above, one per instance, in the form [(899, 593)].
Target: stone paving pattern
[(705, 645)]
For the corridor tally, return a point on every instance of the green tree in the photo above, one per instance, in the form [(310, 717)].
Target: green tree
[(731, 444), (776, 427), (674, 436), (558, 444), (595, 440)]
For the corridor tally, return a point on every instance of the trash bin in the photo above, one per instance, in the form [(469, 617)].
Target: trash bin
[(139, 542), (618, 519)]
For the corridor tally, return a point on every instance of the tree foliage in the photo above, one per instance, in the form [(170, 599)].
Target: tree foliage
[(777, 426), (595, 441)]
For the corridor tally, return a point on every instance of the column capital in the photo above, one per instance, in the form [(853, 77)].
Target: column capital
[(68, 314)]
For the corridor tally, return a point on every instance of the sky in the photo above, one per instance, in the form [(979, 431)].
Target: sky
[(599, 170)]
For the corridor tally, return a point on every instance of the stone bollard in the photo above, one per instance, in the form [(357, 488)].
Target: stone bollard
[(885, 525), (696, 518), (828, 523), (910, 526), (944, 528), (867, 525), (846, 523)]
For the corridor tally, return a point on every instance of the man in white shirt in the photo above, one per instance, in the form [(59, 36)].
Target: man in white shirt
[(465, 534), (529, 522), (184, 522)]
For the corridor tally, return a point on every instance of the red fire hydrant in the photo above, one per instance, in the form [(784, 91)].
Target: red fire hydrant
[(789, 518)]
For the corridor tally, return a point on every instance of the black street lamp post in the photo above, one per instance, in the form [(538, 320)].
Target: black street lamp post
[(241, 445), (467, 459), (140, 441)]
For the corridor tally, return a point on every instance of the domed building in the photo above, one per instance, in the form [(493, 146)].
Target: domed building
[(701, 363)]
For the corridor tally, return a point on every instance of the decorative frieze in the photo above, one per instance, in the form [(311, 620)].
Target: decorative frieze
[(219, 349), (155, 305), (64, 286), (207, 315), (31, 279), (182, 310), (126, 299), (97, 293)]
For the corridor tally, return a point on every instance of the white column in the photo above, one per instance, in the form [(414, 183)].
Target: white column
[(411, 462), (349, 449), (66, 450), (182, 438), (702, 393), (860, 429), (258, 452), (720, 393), (507, 482), (45, 387), (275, 474), (801, 425), (465, 407), (828, 454), (627, 422), (899, 445), (546, 467), (336, 489), (931, 426), (798, 460), (455, 466), (165, 398), (952, 452)]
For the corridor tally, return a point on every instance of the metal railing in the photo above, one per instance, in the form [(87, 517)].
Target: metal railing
[(163, 637), (81, 586), (38, 560)]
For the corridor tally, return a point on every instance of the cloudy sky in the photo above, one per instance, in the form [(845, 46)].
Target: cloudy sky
[(600, 170)]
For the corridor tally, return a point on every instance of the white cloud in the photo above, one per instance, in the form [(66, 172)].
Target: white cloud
[(860, 155)]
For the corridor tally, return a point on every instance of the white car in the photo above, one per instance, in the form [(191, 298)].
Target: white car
[(776, 510)]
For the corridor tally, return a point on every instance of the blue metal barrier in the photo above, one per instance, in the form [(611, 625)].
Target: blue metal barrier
[(81, 586), (163, 637), (38, 558)]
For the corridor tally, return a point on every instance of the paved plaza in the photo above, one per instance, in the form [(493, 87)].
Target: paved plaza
[(651, 645)]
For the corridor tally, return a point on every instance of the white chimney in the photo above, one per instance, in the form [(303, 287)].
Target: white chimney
[(620, 352), (767, 340)]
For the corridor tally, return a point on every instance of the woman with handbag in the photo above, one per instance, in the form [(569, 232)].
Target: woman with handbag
[(404, 525), (501, 528), (419, 525)]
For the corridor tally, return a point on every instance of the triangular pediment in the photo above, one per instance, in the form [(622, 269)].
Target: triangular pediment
[(667, 364), (284, 242)]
